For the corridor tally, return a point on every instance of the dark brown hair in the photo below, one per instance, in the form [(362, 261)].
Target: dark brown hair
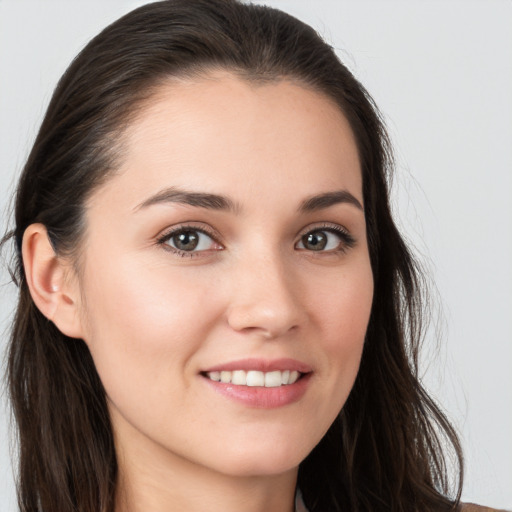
[(387, 448)]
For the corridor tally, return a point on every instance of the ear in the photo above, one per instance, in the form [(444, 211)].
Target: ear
[(51, 281)]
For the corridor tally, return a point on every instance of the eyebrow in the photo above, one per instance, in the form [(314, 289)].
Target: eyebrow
[(323, 201), (223, 203), (199, 199)]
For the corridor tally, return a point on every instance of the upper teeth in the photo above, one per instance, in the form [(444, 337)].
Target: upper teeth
[(254, 378)]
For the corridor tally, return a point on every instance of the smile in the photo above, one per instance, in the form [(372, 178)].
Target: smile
[(254, 378), (260, 383)]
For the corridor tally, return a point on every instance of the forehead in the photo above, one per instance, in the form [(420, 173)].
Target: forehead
[(222, 132)]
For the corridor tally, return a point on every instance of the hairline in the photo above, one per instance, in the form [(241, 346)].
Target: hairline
[(154, 88)]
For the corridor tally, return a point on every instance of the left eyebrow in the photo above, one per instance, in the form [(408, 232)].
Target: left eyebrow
[(198, 199), (322, 201)]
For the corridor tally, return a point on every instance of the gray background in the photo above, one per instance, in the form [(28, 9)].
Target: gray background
[(441, 72)]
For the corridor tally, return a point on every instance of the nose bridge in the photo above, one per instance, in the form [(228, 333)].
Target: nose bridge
[(264, 294)]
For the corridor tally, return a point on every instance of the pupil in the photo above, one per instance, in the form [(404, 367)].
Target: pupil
[(315, 241), (186, 241)]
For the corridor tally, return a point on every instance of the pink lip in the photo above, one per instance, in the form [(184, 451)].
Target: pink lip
[(261, 365), (258, 396), (261, 397)]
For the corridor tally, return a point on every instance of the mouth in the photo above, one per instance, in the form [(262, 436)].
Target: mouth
[(259, 383), (255, 378)]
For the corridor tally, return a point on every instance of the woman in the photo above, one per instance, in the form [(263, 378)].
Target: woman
[(216, 308)]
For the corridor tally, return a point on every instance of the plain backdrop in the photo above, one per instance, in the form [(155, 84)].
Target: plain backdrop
[(441, 72)]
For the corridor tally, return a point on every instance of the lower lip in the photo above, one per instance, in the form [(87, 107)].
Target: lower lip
[(261, 397)]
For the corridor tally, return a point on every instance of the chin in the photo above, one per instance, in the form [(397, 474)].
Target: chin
[(273, 459)]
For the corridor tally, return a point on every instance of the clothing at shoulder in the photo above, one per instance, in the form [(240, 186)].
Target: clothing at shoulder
[(471, 507)]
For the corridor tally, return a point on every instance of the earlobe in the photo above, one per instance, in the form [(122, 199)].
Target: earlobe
[(48, 278)]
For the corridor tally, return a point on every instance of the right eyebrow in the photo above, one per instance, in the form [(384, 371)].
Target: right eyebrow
[(324, 201), (198, 199)]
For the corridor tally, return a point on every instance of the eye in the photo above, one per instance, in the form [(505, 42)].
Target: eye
[(332, 239), (188, 241)]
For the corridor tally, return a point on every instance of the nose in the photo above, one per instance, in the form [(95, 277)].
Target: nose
[(265, 299)]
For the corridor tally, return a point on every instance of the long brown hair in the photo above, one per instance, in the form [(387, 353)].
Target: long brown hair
[(390, 447)]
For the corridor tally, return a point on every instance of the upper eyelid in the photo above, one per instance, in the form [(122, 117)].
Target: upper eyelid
[(191, 226), (163, 239), (216, 236), (333, 226), (346, 237)]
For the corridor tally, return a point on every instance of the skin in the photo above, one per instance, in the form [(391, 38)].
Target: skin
[(153, 319)]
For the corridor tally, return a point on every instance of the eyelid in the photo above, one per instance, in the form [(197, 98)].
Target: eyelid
[(169, 232), (348, 240), (326, 226)]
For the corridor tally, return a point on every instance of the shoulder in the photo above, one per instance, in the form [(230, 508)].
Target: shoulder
[(471, 507)]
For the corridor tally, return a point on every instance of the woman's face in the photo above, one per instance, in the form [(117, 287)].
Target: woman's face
[(230, 245)]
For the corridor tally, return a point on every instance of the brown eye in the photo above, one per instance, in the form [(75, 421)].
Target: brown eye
[(186, 240), (332, 239), (315, 241), (189, 241)]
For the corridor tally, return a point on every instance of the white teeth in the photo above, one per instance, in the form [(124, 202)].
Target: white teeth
[(272, 379), (214, 376), (255, 378), (239, 378), (294, 375)]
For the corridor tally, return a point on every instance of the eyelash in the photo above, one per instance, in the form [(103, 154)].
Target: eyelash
[(165, 237), (347, 240)]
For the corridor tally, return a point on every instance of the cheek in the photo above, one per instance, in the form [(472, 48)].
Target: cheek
[(142, 321), (344, 312), (344, 307)]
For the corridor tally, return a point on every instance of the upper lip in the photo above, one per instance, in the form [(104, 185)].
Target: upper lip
[(262, 365)]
